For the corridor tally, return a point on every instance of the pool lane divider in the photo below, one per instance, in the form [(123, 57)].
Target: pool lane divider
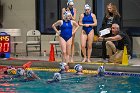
[(56, 70), (108, 73)]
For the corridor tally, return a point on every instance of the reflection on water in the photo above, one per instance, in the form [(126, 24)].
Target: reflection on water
[(72, 83), (8, 88)]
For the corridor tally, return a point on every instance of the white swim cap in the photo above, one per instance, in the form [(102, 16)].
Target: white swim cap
[(101, 69), (87, 7), (78, 67), (70, 2), (57, 76), (62, 65), (67, 13), (20, 71), (29, 73)]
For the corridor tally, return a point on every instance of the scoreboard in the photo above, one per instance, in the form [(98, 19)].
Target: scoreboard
[(4, 45)]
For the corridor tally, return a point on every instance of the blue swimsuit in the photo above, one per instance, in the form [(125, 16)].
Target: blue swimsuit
[(87, 19), (66, 30), (72, 12)]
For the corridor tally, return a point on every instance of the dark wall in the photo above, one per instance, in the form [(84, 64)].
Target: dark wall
[(1, 14)]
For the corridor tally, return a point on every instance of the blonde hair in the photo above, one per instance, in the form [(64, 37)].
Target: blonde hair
[(114, 10)]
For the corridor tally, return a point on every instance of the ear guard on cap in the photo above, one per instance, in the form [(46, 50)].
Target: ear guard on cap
[(66, 14), (70, 2), (29, 73), (20, 71), (87, 7), (78, 67), (101, 70), (62, 65), (57, 76)]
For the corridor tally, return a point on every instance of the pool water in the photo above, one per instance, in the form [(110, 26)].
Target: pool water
[(73, 84)]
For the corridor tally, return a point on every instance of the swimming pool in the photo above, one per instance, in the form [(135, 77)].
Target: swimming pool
[(71, 84)]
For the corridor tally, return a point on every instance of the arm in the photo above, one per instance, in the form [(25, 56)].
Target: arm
[(58, 23), (114, 38), (74, 16), (95, 20), (80, 20), (76, 26), (35, 76)]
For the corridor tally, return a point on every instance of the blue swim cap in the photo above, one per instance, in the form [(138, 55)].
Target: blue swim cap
[(62, 65), (57, 77), (20, 71), (78, 67)]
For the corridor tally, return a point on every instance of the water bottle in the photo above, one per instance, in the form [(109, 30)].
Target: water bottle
[(44, 52)]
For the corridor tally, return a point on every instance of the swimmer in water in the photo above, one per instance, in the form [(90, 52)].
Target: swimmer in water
[(63, 68), (100, 71), (10, 70), (20, 73), (30, 76), (56, 78), (78, 69)]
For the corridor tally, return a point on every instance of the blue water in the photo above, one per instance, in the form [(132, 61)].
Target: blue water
[(74, 84)]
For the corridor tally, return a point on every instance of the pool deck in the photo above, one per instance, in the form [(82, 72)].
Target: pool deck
[(42, 62)]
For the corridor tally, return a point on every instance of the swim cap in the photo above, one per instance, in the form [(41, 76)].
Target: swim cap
[(10, 67), (57, 76), (20, 71), (67, 13), (62, 65), (12, 71), (87, 7), (101, 69), (29, 73), (70, 2), (78, 67)]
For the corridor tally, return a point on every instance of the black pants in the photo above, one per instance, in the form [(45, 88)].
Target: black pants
[(104, 56)]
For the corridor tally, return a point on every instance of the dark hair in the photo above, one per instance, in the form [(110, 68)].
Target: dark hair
[(5, 72)]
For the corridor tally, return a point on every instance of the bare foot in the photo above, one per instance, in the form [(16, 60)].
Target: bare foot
[(72, 60), (88, 60), (84, 60)]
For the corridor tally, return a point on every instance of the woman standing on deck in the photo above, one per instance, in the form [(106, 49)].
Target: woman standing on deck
[(72, 10), (65, 36), (87, 21)]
